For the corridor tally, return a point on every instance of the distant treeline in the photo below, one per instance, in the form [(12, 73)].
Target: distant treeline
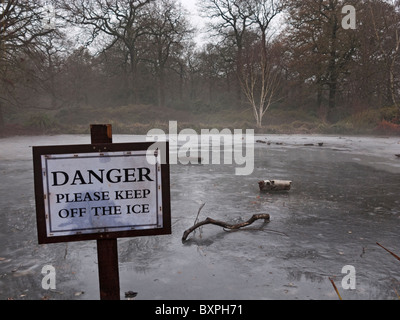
[(260, 54)]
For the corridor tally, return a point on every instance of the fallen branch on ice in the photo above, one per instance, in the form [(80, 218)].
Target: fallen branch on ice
[(265, 217)]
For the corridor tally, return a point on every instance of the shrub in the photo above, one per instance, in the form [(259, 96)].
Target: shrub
[(390, 114), (387, 127), (41, 121)]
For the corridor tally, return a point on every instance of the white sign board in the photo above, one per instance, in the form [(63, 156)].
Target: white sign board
[(95, 193)]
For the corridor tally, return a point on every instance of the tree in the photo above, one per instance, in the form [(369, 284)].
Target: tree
[(78, 77), (386, 25), (48, 61), (237, 21), (121, 22), (21, 27), (231, 21), (260, 76), (317, 37), (263, 12), (168, 29), (261, 79)]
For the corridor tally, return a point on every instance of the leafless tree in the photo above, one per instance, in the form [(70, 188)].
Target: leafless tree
[(230, 21), (21, 27), (263, 12), (260, 80), (168, 30), (319, 41), (237, 20), (386, 24), (122, 22)]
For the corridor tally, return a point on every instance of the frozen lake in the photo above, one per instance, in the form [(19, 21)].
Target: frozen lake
[(344, 199)]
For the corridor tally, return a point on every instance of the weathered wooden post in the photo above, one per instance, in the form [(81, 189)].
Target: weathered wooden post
[(107, 249)]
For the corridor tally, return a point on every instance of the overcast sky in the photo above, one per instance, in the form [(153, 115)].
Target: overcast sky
[(200, 23), (195, 19), (190, 5)]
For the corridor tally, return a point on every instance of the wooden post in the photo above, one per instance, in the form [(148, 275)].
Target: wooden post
[(107, 256), (101, 134), (107, 249)]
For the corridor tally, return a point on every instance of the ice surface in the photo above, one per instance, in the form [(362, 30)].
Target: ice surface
[(344, 199)]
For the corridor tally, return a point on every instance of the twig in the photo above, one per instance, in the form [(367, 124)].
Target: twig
[(336, 289), (66, 251), (254, 218), (398, 296), (394, 255), (198, 213)]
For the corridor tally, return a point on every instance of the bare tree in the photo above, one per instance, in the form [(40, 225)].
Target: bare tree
[(122, 22), (237, 20), (231, 21), (21, 27), (386, 23), (260, 76), (168, 29), (262, 14), (319, 39), (260, 81)]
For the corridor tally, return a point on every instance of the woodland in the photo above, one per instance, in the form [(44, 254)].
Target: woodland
[(275, 66)]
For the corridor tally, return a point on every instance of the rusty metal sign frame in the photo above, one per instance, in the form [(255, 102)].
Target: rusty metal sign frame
[(39, 152)]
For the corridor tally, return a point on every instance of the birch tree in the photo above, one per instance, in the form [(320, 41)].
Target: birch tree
[(260, 77), (260, 81)]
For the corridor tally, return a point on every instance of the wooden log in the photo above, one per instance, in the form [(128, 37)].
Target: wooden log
[(275, 185)]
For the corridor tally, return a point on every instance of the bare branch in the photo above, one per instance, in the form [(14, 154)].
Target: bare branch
[(254, 218)]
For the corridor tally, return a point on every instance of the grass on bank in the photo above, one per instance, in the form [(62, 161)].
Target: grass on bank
[(139, 119)]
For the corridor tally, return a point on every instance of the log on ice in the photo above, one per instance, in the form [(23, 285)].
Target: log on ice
[(275, 185)]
